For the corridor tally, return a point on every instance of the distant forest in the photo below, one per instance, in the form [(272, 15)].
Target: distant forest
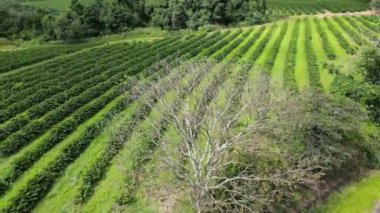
[(114, 16)]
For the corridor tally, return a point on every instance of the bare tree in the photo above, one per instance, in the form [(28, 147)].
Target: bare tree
[(218, 146)]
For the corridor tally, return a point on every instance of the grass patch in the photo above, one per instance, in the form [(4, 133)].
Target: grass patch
[(359, 197)]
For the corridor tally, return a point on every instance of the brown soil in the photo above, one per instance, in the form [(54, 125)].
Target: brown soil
[(362, 13), (377, 208)]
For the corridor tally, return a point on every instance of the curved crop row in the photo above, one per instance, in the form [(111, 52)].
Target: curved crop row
[(47, 71), (261, 45), (271, 58), (29, 76), (37, 187), (59, 133), (289, 76), (342, 41), (243, 49), (312, 63), (97, 170), (16, 141), (43, 94), (364, 31), (231, 46), (30, 87), (327, 47), (215, 37), (214, 48), (358, 38), (84, 82), (375, 28), (16, 59)]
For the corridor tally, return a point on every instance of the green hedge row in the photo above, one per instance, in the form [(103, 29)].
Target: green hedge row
[(342, 41), (329, 50), (289, 72), (39, 186), (361, 29), (269, 63), (210, 41), (15, 59), (43, 94), (60, 98), (61, 131), (359, 39), (262, 44), (98, 169), (312, 62), (232, 46), (47, 71), (12, 96), (29, 74), (222, 43), (250, 43)]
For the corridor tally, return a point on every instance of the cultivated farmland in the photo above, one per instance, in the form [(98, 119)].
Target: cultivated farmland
[(58, 110)]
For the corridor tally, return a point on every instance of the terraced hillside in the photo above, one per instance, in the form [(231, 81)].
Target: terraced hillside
[(57, 116)]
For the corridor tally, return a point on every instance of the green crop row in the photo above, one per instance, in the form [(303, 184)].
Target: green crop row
[(13, 96), (312, 63), (97, 170), (261, 45), (16, 59), (30, 78), (250, 43), (60, 132), (231, 46), (269, 63), (25, 203), (16, 141), (214, 48), (84, 82), (360, 28), (217, 36), (327, 47), (46, 71), (289, 75), (359, 39), (374, 27), (342, 41)]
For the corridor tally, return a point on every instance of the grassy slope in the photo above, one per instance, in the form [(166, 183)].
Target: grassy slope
[(359, 197)]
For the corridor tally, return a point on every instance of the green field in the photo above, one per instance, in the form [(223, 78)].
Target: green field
[(60, 104), (360, 197), (289, 7), (54, 4), (299, 7)]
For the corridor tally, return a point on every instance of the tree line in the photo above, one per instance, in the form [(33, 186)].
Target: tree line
[(114, 16)]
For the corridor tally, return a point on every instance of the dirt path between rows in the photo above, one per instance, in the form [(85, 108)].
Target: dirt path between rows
[(331, 14), (362, 13), (377, 208)]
